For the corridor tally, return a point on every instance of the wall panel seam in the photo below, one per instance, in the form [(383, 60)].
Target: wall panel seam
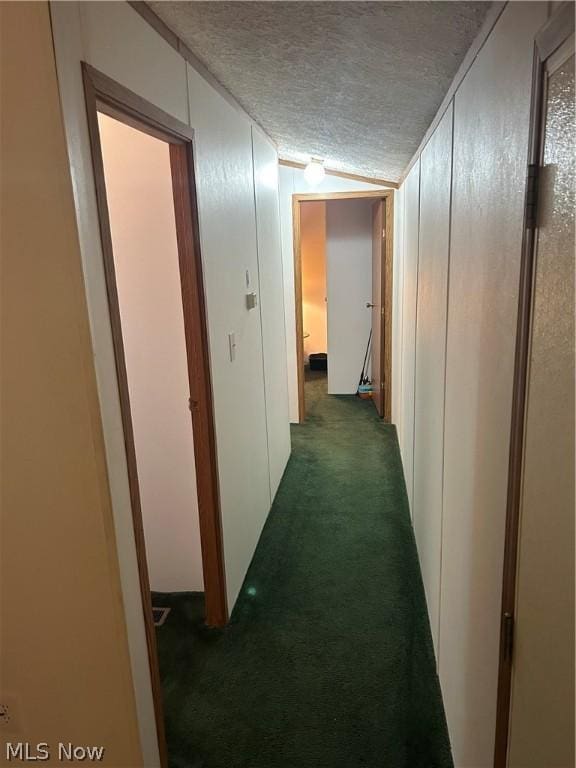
[(258, 254), (416, 332), (444, 386)]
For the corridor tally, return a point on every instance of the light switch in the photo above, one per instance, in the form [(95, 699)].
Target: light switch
[(251, 300), (247, 278), (232, 345)]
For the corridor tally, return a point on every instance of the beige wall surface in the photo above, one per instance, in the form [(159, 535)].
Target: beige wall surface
[(141, 210), (313, 255), (64, 662)]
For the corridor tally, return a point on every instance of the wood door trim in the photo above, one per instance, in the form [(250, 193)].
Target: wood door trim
[(376, 194), (387, 195), (387, 293), (299, 311), (201, 404), (552, 35), (104, 94), (377, 339), (120, 102)]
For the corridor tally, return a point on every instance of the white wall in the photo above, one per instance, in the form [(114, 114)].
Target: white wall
[(435, 186), (141, 209), (271, 304), (491, 116), (409, 303), (484, 220), (349, 288), (292, 182), (225, 184), (116, 40)]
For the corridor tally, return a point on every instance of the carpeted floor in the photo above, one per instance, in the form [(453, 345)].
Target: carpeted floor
[(328, 659)]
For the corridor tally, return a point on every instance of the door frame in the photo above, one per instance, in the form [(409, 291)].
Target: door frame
[(550, 38), (387, 195), (105, 95)]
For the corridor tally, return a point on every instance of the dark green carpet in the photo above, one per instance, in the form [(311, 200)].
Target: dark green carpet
[(328, 660)]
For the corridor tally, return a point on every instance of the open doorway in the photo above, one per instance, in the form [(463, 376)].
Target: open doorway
[(144, 177), (343, 286)]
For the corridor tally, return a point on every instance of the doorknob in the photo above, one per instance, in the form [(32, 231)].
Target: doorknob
[(369, 306)]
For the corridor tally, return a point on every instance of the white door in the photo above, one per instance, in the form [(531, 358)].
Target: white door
[(349, 290)]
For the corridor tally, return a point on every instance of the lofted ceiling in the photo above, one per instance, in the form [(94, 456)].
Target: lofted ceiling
[(354, 83)]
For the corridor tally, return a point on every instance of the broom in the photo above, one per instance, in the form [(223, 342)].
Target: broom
[(364, 382)]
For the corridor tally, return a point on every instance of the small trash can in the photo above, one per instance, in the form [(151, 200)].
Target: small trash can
[(318, 361)]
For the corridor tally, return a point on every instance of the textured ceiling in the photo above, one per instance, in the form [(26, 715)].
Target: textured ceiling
[(354, 83)]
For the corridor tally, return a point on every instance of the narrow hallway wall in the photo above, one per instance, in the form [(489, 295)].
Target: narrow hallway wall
[(460, 482), (408, 331), (435, 191), (271, 304), (240, 241), (115, 39), (225, 182)]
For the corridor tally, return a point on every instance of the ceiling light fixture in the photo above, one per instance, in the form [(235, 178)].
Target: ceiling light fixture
[(314, 172)]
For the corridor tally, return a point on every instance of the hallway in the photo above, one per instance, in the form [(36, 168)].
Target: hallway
[(328, 658)]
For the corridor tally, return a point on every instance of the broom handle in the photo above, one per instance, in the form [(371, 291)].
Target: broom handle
[(365, 357)]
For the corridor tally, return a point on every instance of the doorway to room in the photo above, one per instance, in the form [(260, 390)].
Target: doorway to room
[(144, 178), (343, 291)]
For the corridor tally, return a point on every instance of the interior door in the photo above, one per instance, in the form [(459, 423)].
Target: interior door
[(378, 244), (349, 287), (542, 711)]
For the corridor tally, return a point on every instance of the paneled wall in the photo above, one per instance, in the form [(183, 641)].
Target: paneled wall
[(408, 331), (236, 174), (455, 406), (271, 304), (435, 189), (225, 184)]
